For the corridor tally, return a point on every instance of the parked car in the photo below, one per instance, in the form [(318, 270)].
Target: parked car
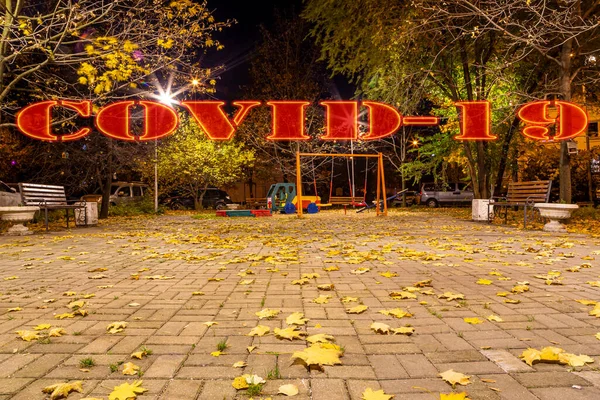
[(8, 196), (437, 194), (411, 196), (213, 198), (121, 193)]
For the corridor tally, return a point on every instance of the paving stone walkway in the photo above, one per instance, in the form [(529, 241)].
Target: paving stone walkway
[(145, 272)]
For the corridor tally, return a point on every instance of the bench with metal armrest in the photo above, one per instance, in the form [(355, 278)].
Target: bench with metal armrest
[(521, 194), (49, 197)]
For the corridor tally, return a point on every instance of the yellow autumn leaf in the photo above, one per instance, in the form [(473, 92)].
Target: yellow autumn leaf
[(331, 269), (550, 353), (494, 318), (259, 330), (296, 318), (288, 390), (502, 294), (380, 327), (348, 299), (318, 355), (57, 332), (130, 368), (62, 390), (451, 296), (65, 315), (289, 333), (453, 377), (454, 396), (320, 338), (357, 310), (76, 304), (210, 323), (402, 295), (530, 356), (322, 299), (239, 364), (267, 313), (127, 391), (42, 327), (396, 312), (14, 309), (473, 321), (240, 383), (197, 293), (217, 353), (587, 302), (300, 282), (81, 312), (313, 275), (423, 283), (520, 289), (388, 274), (370, 394), (327, 286), (574, 360), (484, 282), (28, 336), (116, 327), (405, 330)]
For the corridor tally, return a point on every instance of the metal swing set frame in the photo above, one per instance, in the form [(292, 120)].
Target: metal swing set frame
[(380, 177)]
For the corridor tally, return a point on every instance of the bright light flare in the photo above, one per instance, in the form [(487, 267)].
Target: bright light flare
[(166, 98)]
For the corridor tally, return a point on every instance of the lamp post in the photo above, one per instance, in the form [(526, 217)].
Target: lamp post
[(167, 99)]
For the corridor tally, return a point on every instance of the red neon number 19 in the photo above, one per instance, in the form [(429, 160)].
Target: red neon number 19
[(475, 120)]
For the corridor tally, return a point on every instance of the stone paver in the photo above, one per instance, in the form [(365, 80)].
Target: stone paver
[(145, 271)]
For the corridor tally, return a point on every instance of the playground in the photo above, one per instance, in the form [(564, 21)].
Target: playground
[(191, 291)]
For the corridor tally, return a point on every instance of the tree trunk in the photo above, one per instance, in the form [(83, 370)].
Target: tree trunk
[(199, 200), (565, 90), (504, 154), (107, 184)]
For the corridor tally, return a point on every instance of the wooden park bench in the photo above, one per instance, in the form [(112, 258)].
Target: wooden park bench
[(521, 194), (346, 201), (49, 197)]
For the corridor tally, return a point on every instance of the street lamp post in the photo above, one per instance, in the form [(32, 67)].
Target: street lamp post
[(156, 176)]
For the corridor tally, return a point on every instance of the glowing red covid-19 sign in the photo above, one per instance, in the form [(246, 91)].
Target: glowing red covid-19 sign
[(341, 122)]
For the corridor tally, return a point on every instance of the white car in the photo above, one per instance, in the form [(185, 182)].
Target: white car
[(121, 192)]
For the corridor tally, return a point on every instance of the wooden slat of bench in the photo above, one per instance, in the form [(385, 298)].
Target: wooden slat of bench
[(36, 194), (37, 185), (342, 200), (532, 191)]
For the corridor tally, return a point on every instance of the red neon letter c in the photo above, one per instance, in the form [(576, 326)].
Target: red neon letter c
[(35, 120)]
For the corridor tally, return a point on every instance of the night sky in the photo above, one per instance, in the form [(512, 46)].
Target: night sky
[(242, 38)]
